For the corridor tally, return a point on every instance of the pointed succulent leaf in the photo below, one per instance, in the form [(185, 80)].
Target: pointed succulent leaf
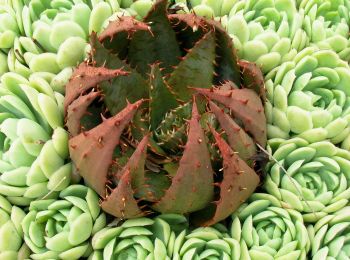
[(136, 165), (77, 110), (246, 106), (253, 78), (86, 77), (192, 186), (228, 85), (227, 68), (131, 87), (239, 182), (121, 202), (196, 70), (161, 99), (92, 151), (102, 57), (131, 179), (119, 32), (239, 140), (123, 89), (189, 29), (147, 48)]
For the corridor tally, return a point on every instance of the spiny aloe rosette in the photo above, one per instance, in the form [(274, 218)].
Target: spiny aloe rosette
[(164, 151)]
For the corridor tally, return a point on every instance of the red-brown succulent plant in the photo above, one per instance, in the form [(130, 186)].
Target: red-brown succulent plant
[(186, 142)]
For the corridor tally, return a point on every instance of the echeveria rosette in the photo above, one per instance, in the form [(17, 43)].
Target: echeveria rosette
[(62, 228), (206, 243), (265, 230), (327, 25), (332, 11), (330, 236), (329, 37), (11, 233), (316, 181), (140, 238), (151, 137), (309, 97), (267, 46), (167, 236), (34, 145)]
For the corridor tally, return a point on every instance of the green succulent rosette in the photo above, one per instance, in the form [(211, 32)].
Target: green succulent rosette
[(267, 46), (206, 243), (330, 236), (140, 238), (313, 179), (34, 158), (62, 228), (309, 97), (11, 233), (332, 11), (165, 237), (265, 230)]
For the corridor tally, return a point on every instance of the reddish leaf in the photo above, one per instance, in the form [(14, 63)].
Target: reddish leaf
[(253, 78), (121, 203), (131, 179), (86, 77), (77, 110), (192, 186), (246, 106), (239, 182), (118, 34), (239, 140), (92, 151)]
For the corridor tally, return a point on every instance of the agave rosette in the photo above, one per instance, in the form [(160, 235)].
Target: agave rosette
[(310, 178), (177, 115)]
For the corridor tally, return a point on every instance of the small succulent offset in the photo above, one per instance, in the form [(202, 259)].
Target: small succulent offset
[(308, 97), (187, 143), (33, 143), (312, 178), (61, 229), (140, 238), (330, 236), (265, 230), (11, 233)]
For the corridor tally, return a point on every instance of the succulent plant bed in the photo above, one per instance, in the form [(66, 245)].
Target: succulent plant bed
[(155, 129)]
